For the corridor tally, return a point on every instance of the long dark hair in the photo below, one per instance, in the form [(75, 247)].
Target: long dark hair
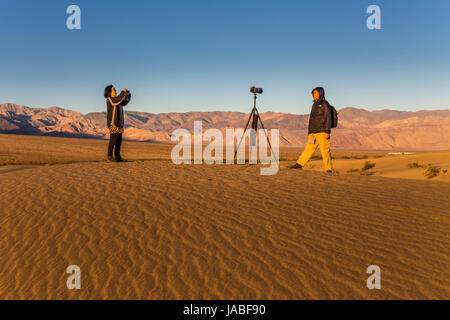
[(108, 91)]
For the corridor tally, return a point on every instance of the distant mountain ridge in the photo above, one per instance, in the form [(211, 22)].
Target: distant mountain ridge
[(358, 128)]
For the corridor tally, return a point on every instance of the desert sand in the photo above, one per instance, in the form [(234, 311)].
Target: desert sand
[(148, 229), (392, 166)]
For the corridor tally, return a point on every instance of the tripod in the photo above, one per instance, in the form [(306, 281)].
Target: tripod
[(254, 114)]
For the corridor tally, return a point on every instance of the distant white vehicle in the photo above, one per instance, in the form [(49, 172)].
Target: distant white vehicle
[(399, 153)]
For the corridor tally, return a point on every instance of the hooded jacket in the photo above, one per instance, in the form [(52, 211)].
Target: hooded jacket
[(320, 117), (115, 111)]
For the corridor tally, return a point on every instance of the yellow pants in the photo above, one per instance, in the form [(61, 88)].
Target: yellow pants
[(322, 140)]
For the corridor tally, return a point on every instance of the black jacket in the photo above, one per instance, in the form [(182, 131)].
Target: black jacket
[(115, 111), (320, 117)]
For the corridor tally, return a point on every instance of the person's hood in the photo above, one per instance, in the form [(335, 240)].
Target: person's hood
[(321, 92)]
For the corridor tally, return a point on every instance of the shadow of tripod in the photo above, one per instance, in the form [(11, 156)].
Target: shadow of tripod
[(255, 117)]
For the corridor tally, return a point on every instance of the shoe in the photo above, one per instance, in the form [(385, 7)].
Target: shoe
[(329, 171), (296, 166), (110, 159), (120, 159)]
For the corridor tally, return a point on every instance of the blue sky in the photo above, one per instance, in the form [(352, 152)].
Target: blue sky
[(203, 55)]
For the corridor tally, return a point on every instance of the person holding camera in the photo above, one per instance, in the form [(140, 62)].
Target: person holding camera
[(115, 120), (323, 117)]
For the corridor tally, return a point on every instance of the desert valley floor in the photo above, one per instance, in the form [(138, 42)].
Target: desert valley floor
[(148, 229)]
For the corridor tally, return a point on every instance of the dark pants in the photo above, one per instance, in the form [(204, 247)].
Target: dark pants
[(115, 141)]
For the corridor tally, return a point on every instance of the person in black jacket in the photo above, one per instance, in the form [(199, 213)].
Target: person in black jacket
[(319, 130), (115, 120)]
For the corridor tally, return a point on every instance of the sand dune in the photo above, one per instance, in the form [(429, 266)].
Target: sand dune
[(394, 166), (34, 150), (148, 229)]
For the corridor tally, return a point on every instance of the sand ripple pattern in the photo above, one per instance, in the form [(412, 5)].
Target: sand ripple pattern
[(153, 230)]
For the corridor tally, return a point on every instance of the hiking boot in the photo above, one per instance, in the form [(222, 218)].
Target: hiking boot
[(329, 172), (296, 166), (120, 159), (110, 159)]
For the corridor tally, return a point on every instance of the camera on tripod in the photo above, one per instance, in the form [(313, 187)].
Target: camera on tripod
[(256, 90), (255, 118)]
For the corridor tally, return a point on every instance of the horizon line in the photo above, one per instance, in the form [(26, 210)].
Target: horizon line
[(228, 111)]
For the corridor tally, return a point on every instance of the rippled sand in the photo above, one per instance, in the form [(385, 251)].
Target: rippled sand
[(153, 230)]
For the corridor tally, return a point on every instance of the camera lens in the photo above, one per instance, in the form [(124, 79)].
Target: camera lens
[(256, 90)]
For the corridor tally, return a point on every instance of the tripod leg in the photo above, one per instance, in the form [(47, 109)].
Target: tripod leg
[(262, 125), (246, 126)]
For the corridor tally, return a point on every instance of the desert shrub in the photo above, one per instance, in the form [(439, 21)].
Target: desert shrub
[(432, 171), (354, 157), (367, 166), (415, 165), (364, 171)]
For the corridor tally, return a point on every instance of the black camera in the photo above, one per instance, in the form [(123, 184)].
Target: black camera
[(126, 98), (256, 90)]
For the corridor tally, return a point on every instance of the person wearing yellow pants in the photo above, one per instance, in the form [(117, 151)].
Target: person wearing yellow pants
[(319, 129), (322, 140)]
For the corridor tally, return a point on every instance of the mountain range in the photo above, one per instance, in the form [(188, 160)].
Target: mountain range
[(358, 129)]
